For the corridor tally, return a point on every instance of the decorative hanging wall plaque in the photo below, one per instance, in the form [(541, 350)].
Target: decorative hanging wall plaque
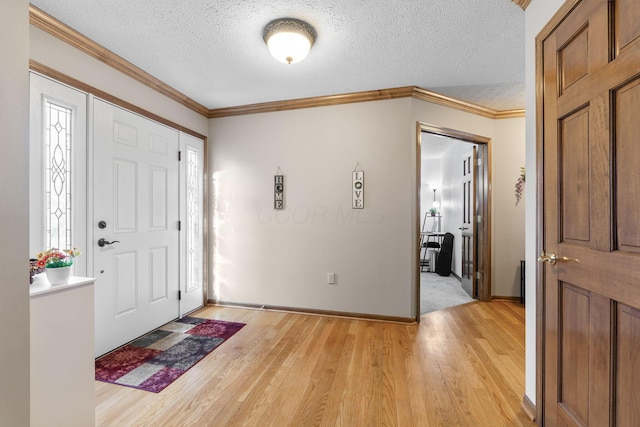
[(278, 191), (358, 188)]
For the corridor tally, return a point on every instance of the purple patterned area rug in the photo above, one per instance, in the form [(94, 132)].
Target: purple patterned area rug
[(155, 360)]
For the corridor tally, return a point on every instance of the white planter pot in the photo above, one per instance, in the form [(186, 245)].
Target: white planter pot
[(59, 276)]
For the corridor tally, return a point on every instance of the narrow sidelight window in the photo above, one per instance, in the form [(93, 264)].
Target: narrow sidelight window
[(57, 178)]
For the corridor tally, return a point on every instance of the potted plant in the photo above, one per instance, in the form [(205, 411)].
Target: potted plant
[(433, 211), (57, 264)]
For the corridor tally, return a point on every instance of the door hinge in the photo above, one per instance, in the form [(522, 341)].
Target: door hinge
[(478, 162), (179, 225), (179, 295), (179, 156), (478, 275), (479, 219)]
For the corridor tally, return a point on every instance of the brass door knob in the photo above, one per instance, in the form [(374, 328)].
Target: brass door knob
[(552, 258)]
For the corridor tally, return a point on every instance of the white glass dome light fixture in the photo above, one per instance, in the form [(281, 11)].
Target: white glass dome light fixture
[(289, 39)]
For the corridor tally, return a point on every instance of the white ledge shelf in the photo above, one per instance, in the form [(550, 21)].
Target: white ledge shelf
[(42, 286), (62, 344)]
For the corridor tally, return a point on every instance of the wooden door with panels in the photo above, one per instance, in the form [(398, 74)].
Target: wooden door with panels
[(590, 173), (467, 229)]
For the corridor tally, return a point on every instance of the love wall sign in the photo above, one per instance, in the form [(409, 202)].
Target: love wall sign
[(358, 189)]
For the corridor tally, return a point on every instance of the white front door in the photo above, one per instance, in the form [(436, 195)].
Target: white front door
[(192, 215), (136, 212)]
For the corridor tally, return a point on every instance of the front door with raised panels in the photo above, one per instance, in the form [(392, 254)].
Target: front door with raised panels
[(135, 230), (591, 192)]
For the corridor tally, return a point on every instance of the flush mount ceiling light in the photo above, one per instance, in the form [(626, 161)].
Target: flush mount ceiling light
[(289, 39)]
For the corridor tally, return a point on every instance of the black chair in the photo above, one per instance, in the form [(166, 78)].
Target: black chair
[(443, 265), (433, 245), (431, 242)]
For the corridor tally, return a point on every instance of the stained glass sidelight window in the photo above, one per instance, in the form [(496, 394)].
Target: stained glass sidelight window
[(193, 220), (57, 180)]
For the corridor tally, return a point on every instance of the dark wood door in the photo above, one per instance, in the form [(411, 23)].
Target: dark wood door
[(468, 276), (591, 212), (482, 230)]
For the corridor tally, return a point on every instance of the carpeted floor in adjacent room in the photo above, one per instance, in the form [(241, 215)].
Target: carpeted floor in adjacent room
[(440, 292)]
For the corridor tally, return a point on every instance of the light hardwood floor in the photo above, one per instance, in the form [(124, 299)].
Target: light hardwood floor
[(461, 366)]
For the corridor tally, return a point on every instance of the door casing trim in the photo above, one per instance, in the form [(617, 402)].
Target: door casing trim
[(484, 288)]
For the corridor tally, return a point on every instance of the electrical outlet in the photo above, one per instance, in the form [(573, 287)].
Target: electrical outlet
[(331, 278)]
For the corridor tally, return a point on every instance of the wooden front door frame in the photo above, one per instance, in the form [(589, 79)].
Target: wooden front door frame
[(484, 288)]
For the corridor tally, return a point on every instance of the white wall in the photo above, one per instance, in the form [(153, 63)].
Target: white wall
[(508, 219), (14, 213), (536, 16), (62, 57), (262, 256)]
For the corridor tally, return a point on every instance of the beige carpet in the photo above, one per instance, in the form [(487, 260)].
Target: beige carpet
[(440, 292)]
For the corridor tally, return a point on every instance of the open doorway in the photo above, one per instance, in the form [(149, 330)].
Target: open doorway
[(454, 249)]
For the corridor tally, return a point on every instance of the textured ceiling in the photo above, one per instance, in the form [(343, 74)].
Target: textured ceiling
[(435, 146), (213, 52)]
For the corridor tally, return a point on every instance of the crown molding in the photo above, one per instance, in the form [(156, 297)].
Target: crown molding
[(318, 101), (372, 95), (49, 24), (510, 114), (522, 3), (46, 71), (436, 98)]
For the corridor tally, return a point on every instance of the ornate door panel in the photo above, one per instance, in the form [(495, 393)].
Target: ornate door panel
[(591, 174)]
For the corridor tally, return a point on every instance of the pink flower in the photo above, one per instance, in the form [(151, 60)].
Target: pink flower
[(55, 257)]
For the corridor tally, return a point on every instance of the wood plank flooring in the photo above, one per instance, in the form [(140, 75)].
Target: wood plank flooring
[(459, 367)]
